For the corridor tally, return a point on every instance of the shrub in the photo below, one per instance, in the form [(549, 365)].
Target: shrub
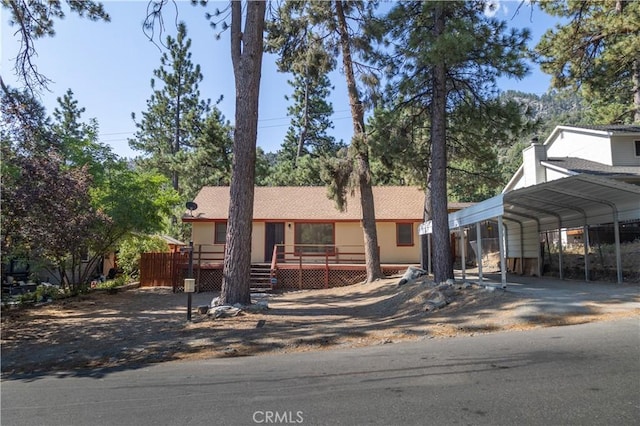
[(134, 246), (41, 294)]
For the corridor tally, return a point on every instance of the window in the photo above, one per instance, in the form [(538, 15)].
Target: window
[(404, 234), (637, 148), (316, 235), (220, 236), (84, 254)]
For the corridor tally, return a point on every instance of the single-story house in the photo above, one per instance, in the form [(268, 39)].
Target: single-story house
[(306, 228), (579, 177)]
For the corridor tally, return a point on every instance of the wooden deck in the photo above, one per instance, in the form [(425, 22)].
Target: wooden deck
[(334, 267)]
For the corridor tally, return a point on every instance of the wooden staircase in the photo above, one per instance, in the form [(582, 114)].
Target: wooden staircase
[(261, 279)]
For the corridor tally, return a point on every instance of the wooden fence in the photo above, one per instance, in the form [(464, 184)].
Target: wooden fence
[(161, 269)]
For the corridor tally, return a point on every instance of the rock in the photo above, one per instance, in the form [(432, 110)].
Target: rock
[(203, 309), (412, 274), (437, 301), (224, 311)]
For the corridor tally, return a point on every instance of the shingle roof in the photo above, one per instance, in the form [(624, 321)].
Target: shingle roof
[(613, 128), (579, 165), (311, 203)]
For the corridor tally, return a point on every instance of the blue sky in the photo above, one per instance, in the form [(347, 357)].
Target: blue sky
[(109, 66)]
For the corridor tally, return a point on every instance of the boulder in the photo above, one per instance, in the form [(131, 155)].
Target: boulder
[(412, 274)]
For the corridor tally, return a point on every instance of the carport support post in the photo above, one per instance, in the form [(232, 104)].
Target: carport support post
[(463, 259), (585, 242), (479, 249), (560, 263), (503, 266), (616, 234)]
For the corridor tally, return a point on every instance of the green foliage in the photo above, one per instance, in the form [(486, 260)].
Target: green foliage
[(113, 284), (54, 208), (77, 142), (307, 172), (597, 50), (179, 136), (208, 163), (338, 173), (134, 201), (42, 293), (133, 246)]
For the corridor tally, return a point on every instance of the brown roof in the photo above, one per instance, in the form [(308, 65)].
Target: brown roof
[(311, 203)]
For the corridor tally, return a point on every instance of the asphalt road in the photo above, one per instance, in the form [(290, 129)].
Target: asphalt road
[(584, 375)]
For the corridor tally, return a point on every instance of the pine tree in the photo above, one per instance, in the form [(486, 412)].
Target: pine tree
[(325, 25), (446, 56), (175, 113), (77, 141), (310, 117), (246, 56), (598, 50)]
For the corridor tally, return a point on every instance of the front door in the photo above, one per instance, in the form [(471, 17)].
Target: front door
[(274, 235)]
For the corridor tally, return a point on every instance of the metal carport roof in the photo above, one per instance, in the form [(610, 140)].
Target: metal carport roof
[(569, 202)]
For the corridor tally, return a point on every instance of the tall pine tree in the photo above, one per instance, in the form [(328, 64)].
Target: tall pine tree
[(339, 26), (175, 113), (446, 57), (598, 50)]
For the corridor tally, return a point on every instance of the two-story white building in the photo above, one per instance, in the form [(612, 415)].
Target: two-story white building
[(579, 177)]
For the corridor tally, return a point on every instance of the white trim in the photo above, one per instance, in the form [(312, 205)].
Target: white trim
[(558, 168)]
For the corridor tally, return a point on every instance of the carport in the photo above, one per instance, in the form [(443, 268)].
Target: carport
[(571, 202)]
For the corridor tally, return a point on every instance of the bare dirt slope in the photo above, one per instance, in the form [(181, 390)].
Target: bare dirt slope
[(130, 329)]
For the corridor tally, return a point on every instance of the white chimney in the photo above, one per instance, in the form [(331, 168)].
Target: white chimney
[(534, 172)]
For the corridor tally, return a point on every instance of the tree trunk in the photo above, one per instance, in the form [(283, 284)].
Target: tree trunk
[(305, 120), (176, 142), (246, 55), (636, 89), (371, 252), (442, 262)]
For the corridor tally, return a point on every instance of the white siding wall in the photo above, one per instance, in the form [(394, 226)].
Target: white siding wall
[(624, 152), (582, 145)]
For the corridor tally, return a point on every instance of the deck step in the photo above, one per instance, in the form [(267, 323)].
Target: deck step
[(260, 279)]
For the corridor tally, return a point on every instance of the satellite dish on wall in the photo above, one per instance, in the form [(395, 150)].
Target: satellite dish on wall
[(191, 206)]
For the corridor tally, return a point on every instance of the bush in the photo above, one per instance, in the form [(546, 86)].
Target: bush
[(114, 283), (134, 246), (41, 294)]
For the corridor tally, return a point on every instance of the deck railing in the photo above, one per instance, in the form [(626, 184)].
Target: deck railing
[(207, 254), (323, 255), (317, 253)]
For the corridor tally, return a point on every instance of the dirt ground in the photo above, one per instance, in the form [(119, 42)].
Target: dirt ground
[(102, 332)]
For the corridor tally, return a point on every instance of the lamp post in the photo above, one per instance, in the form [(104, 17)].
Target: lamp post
[(190, 282)]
